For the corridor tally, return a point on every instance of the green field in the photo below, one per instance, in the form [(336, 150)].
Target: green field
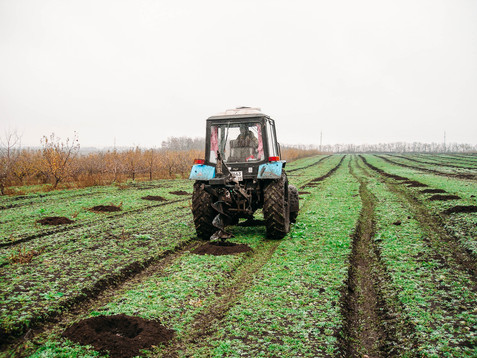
[(381, 262)]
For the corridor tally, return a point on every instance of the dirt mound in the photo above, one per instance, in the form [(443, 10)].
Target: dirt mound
[(433, 191), (105, 208), (444, 197), (54, 220), (414, 184), (221, 248), (153, 197), (180, 192), (121, 335), (461, 209)]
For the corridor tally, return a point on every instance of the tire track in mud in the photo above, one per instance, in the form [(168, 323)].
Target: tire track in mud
[(447, 248), (315, 181), (89, 223), (205, 322), (472, 177), (368, 324)]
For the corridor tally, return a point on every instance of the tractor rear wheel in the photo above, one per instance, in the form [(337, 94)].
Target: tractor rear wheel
[(276, 208), (203, 212), (294, 203)]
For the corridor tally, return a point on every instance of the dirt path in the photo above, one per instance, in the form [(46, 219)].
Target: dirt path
[(364, 330)]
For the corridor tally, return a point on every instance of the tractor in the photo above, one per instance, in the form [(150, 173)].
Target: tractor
[(242, 172)]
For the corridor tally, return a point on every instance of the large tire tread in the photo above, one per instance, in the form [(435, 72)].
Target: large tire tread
[(294, 203), (203, 212), (276, 210)]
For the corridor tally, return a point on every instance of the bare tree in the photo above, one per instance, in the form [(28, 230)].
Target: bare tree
[(9, 152), (57, 156)]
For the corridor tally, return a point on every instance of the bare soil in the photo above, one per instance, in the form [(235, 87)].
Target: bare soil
[(433, 191), (180, 192), (154, 198), (444, 197), (461, 209), (221, 248), (54, 220), (105, 208), (123, 336)]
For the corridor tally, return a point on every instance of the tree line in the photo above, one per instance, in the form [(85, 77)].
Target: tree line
[(59, 163), (401, 147)]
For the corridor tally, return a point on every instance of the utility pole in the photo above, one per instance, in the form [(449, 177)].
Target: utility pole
[(444, 141), (321, 139)]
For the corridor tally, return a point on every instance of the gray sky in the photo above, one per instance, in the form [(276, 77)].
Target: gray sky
[(140, 71)]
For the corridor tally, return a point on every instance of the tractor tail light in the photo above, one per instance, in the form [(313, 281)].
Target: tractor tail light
[(199, 161), (273, 159)]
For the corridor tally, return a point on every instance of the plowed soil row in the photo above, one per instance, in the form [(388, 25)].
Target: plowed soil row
[(308, 166), (445, 244), (450, 175), (435, 163), (89, 223)]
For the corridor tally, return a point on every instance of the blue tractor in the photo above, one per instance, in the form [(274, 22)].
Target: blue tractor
[(241, 173)]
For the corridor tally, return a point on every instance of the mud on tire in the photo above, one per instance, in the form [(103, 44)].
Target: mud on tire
[(276, 208), (294, 203), (203, 212)]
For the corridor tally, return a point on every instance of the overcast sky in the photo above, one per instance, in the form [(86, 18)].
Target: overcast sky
[(140, 71)]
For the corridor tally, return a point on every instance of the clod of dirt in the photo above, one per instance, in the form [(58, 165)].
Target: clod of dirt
[(461, 209), (221, 248), (397, 223), (105, 208), (444, 197), (180, 192), (123, 336), (153, 197), (433, 191), (54, 220)]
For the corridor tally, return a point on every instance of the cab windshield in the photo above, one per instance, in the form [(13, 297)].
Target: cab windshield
[(236, 142)]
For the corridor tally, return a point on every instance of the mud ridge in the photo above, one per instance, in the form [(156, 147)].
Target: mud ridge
[(450, 175), (438, 164), (461, 209), (439, 197), (314, 182)]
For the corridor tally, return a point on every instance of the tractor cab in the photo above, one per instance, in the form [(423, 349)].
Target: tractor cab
[(245, 138)]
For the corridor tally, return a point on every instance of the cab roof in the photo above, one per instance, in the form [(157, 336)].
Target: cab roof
[(239, 112)]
